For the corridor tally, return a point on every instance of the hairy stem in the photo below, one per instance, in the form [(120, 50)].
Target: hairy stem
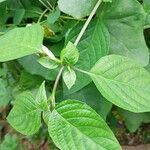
[(87, 22), (55, 86)]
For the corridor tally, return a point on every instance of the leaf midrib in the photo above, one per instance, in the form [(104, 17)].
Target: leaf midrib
[(118, 82)]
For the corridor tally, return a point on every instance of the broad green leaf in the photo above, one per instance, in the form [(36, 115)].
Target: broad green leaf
[(53, 16), (20, 42), (123, 82), (93, 45), (76, 8), (91, 96), (134, 120), (36, 68), (70, 54), (41, 98), (74, 125), (24, 116), (69, 77), (125, 21), (48, 63)]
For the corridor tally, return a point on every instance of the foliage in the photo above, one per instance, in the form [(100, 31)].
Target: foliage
[(99, 49)]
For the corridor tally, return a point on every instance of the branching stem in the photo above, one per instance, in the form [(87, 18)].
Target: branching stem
[(76, 43)]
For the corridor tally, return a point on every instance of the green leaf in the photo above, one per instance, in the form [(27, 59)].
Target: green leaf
[(125, 21), (91, 96), (48, 63), (18, 16), (9, 143), (2, 1), (20, 42), (74, 125), (70, 54), (69, 77), (24, 116), (123, 82), (3, 14), (77, 8), (53, 16), (36, 68), (93, 45), (134, 120), (5, 93), (41, 98), (146, 5), (28, 81), (46, 116)]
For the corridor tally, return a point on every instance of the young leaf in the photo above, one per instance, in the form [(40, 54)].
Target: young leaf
[(48, 63), (24, 116), (41, 98), (69, 54), (69, 77), (77, 8), (126, 32), (74, 125), (20, 42), (123, 82)]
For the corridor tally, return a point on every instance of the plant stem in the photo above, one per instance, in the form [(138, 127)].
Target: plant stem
[(55, 86), (41, 16), (71, 18), (87, 22), (76, 43), (82, 71), (45, 5)]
